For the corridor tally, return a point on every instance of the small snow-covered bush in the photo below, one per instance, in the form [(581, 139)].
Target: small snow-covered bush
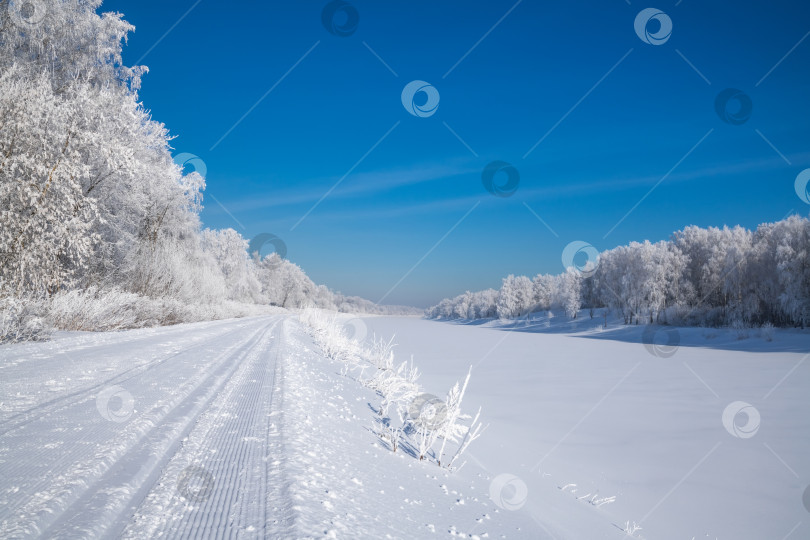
[(100, 310), (397, 386), (766, 331), (22, 320), (678, 315), (330, 336), (631, 529), (740, 328)]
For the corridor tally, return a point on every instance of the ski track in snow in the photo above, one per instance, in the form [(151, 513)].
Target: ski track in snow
[(70, 472), (240, 429)]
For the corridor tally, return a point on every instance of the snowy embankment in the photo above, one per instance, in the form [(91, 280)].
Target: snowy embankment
[(215, 429), (601, 430)]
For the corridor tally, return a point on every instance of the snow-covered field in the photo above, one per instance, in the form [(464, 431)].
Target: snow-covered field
[(241, 428), (602, 430)]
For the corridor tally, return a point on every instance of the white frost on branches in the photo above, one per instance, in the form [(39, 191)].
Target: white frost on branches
[(710, 277), (95, 216), (408, 417)]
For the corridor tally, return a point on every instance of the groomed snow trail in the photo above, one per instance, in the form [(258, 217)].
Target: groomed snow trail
[(166, 434)]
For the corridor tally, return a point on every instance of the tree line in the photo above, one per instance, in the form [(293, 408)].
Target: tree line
[(699, 277), (90, 197)]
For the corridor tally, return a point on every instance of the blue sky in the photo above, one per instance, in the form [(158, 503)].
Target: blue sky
[(616, 119)]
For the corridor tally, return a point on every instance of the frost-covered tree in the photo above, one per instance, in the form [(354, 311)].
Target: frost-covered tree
[(570, 292), (46, 223), (70, 41), (462, 308), (92, 205), (515, 298), (229, 250), (284, 283), (713, 276), (76, 134), (792, 259), (484, 304), (543, 291)]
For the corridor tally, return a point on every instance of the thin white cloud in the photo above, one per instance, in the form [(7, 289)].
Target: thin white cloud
[(369, 183), (357, 185)]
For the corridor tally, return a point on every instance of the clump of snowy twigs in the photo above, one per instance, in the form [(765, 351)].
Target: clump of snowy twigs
[(419, 423), (632, 529), (740, 328), (107, 309), (766, 331), (21, 320)]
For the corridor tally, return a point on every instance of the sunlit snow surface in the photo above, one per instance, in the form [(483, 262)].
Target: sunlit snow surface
[(577, 411), (220, 429), (242, 428)]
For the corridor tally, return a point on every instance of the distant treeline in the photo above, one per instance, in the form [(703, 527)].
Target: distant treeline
[(700, 277)]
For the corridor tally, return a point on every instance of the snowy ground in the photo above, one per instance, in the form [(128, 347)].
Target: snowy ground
[(241, 428), (220, 429), (576, 411)]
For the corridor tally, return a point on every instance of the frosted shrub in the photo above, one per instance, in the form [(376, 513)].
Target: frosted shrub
[(473, 432), (21, 320), (740, 329), (451, 429), (397, 386), (381, 353), (330, 336), (93, 309), (390, 431), (425, 439), (766, 331), (677, 315), (631, 529)]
